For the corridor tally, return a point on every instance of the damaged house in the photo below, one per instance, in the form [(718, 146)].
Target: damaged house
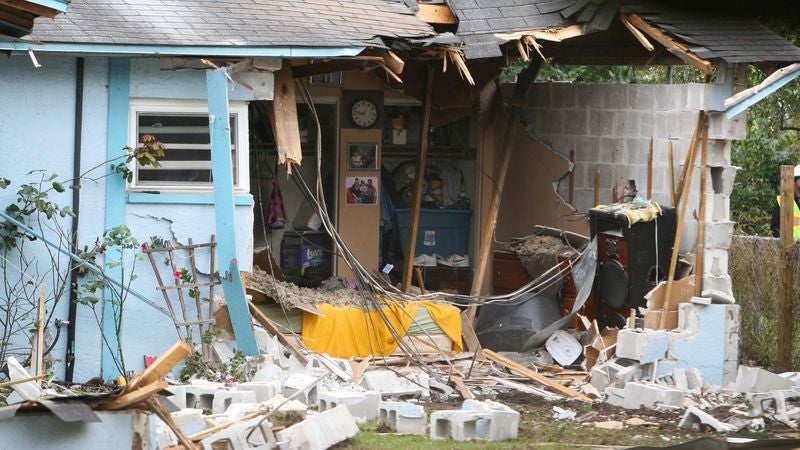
[(237, 161)]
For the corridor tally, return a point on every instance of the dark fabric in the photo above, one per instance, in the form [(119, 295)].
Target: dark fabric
[(775, 223)]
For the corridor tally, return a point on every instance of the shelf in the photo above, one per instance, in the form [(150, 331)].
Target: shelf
[(434, 152)]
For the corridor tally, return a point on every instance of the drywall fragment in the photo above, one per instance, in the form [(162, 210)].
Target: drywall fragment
[(320, 431), (756, 379), (694, 418)]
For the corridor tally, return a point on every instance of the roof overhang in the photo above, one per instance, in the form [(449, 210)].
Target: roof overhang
[(56, 48)]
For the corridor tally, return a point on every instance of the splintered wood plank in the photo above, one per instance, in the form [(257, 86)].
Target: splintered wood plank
[(670, 44), (269, 325), (438, 14), (287, 130), (161, 367), (461, 387), (525, 372), (136, 396)]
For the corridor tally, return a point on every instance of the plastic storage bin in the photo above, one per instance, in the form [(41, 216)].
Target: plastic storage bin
[(441, 231)]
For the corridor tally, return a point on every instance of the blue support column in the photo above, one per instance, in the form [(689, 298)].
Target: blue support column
[(119, 73), (222, 173)]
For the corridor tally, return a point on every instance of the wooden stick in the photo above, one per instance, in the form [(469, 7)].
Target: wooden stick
[(164, 415), (420, 280), (679, 227), (265, 322), (682, 178), (136, 396), (786, 321), (161, 367), (650, 170), (24, 380), (37, 347), (572, 178), (524, 371), (419, 180), (490, 222), (671, 172), (701, 220), (461, 387), (216, 429), (670, 44), (596, 187), (636, 33)]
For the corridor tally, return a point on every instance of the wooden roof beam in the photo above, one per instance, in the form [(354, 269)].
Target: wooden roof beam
[(669, 43), (439, 14)]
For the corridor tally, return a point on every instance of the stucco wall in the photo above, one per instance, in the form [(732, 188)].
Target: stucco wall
[(36, 127)]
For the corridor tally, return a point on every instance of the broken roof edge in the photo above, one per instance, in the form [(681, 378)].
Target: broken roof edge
[(61, 48), (740, 102), (56, 5)]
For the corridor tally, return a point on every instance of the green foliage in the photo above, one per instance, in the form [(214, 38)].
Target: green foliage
[(146, 154), (236, 369)]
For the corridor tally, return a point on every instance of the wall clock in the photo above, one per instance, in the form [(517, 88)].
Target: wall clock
[(364, 113)]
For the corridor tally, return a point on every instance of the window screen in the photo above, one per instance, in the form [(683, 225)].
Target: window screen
[(188, 149)]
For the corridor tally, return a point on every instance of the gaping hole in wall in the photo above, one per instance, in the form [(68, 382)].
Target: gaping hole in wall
[(716, 179)]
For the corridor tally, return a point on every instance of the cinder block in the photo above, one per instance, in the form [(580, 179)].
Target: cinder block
[(715, 262), (615, 372), (721, 179), (251, 434), (615, 96), (362, 405), (640, 395), (775, 400), (758, 380), (224, 399), (504, 424), (721, 283), (718, 235), (578, 125), (615, 396), (299, 382), (178, 397), (694, 417), (719, 152), (459, 425), (201, 395), (644, 346), (392, 386), (263, 391), (647, 127), (641, 97), (320, 431), (411, 419)]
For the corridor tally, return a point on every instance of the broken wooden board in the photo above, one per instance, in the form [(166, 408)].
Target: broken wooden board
[(461, 387), (161, 367), (524, 371), (682, 292), (139, 395), (287, 130), (436, 13)]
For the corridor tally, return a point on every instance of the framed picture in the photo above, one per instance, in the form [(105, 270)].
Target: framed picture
[(362, 156), (361, 190)]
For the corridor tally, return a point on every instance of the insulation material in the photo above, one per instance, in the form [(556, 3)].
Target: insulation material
[(285, 124)]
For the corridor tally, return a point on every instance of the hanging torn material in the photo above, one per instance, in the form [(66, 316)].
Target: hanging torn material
[(285, 125)]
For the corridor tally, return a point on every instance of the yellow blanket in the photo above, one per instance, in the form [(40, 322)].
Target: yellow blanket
[(345, 332), (634, 213)]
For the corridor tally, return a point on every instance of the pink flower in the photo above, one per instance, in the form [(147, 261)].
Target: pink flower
[(144, 246), (176, 275)]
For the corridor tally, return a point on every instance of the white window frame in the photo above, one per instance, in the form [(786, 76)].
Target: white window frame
[(155, 106)]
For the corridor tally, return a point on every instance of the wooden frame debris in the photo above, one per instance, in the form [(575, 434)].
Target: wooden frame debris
[(668, 42)]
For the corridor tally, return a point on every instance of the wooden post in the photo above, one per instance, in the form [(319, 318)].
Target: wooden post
[(699, 266), (786, 309), (690, 157), (650, 170), (487, 232), (692, 145), (419, 180), (596, 187), (671, 173), (572, 178)]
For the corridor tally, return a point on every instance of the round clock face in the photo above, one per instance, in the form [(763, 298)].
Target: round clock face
[(364, 113)]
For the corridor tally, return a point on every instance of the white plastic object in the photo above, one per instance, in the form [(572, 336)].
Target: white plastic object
[(28, 390), (564, 348)]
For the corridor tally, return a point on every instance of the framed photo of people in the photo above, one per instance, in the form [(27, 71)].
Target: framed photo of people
[(361, 190), (362, 156)]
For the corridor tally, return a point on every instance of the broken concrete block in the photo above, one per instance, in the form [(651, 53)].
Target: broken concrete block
[(189, 420), (178, 397), (279, 401), (694, 417), (362, 405), (251, 434), (615, 396), (708, 339), (224, 399), (263, 391), (504, 424), (719, 297), (719, 234), (701, 300), (645, 346), (615, 372), (756, 379), (200, 394), (320, 431), (640, 395), (390, 385), (411, 419), (774, 400), (297, 382)]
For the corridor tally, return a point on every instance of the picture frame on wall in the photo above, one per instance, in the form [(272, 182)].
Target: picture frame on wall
[(361, 190), (362, 156)]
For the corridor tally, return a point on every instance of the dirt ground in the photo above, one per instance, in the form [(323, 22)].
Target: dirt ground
[(539, 430)]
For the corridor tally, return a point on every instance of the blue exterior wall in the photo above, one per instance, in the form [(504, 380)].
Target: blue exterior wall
[(36, 132)]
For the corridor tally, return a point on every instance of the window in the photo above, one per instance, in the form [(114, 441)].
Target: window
[(183, 129)]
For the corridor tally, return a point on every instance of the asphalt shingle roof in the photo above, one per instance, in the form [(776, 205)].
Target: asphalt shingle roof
[(278, 23), (712, 36)]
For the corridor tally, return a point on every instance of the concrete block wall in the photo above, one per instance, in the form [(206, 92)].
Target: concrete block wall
[(610, 126)]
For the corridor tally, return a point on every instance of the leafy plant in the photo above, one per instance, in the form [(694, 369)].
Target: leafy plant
[(146, 154), (236, 369)]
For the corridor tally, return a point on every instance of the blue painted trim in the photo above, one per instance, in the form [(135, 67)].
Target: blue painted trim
[(185, 199), (58, 5), (178, 50), (119, 73), (222, 174), (760, 95)]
